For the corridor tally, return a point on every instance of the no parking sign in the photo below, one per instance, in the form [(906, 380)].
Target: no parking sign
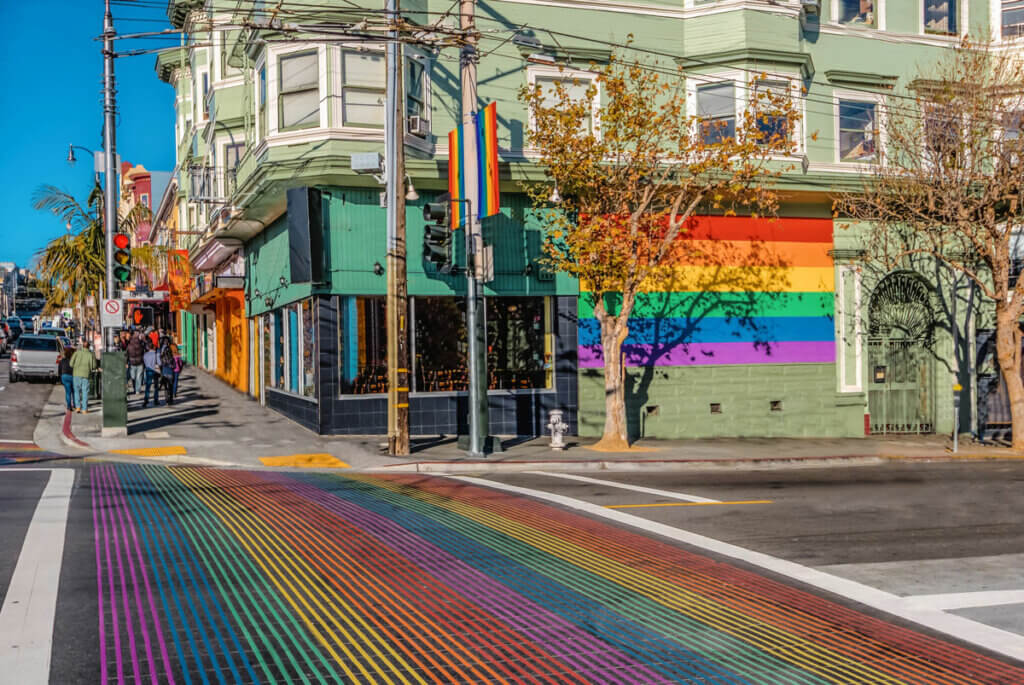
[(112, 314)]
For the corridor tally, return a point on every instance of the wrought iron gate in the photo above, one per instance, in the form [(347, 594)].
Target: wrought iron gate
[(901, 366), (901, 396)]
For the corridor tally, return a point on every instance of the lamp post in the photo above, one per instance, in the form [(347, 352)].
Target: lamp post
[(97, 159)]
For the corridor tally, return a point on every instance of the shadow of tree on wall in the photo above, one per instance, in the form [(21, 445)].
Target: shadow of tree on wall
[(731, 291)]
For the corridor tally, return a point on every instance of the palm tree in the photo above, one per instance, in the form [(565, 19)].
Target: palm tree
[(73, 266)]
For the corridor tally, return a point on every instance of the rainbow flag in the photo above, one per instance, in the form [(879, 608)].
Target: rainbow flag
[(473, 153), (456, 175), (487, 156)]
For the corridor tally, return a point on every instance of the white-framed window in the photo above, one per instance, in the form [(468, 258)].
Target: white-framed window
[(298, 90), (261, 100), (1011, 18), (940, 17), (205, 93), (362, 88), (771, 124), (575, 81), (858, 127), (144, 200), (415, 89), (716, 107), (859, 13)]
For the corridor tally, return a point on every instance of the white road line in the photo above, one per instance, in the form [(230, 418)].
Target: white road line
[(624, 486), (29, 610), (966, 600), (994, 639), (19, 442)]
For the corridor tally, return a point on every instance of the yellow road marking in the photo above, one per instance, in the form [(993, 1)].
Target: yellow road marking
[(318, 460), (153, 451), (686, 504)]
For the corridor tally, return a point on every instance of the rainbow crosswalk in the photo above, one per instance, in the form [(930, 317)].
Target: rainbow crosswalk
[(229, 576)]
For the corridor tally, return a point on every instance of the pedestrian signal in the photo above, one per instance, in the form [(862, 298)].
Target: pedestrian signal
[(122, 258), (142, 317)]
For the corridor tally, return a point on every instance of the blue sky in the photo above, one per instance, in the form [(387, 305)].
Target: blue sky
[(52, 73)]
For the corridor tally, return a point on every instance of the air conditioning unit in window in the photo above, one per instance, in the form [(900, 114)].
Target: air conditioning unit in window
[(417, 126), (810, 8)]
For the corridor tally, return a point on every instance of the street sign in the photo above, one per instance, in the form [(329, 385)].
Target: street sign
[(112, 314)]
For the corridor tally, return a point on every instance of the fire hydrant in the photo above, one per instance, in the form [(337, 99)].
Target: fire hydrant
[(557, 428)]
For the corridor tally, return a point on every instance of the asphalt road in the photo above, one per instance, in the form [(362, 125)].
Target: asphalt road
[(20, 404), (210, 575)]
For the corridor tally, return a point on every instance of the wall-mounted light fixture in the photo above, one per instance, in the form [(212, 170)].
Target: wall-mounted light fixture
[(378, 269), (268, 300), (283, 281), (256, 293)]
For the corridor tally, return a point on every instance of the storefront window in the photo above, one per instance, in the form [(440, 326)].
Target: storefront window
[(362, 345), (440, 344), (292, 381), (279, 348), (308, 350), (518, 342), (268, 350)]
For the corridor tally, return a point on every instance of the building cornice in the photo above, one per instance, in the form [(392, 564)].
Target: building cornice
[(795, 60)]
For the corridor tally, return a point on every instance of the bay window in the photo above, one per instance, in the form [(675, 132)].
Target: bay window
[(362, 94)]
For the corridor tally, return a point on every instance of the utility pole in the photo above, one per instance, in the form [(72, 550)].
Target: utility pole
[(109, 155), (479, 420), (115, 403), (397, 304)]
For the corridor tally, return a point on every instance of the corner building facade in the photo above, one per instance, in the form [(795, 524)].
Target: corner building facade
[(784, 333)]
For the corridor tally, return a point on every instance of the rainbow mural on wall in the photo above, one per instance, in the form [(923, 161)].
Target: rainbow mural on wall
[(739, 291)]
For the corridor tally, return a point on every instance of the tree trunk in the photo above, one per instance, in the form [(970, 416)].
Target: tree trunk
[(614, 329), (1008, 342)]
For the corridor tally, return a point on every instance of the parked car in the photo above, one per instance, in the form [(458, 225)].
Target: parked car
[(36, 356), (28, 324), (14, 324)]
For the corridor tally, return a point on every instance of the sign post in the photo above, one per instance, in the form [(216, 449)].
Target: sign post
[(115, 401)]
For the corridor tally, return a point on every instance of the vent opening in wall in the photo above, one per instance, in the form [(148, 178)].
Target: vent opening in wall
[(716, 407), (775, 405)]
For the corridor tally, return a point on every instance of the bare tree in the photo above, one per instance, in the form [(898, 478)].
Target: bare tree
[(948, 188)]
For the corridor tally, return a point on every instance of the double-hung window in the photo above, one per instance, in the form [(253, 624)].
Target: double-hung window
[(857, 12), (575, 88), (299, 96), (940, 17), (206, 92), (858, 131), (771, 122), (415, 89), (1012, 18), (716, 107), (362, 92), (233, 153), (261, 99)]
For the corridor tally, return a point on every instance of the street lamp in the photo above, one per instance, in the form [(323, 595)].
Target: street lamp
[(97, 163)]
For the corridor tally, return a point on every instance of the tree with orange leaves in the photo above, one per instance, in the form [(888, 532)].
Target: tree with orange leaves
[(630, 184)]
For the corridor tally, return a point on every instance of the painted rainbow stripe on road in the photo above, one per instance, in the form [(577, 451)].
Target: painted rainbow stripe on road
[(234, 576), (738, 291)]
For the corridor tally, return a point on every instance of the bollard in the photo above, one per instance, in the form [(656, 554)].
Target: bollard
[(557, 428)]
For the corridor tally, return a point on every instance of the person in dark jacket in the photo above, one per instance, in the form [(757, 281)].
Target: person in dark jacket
[(167, 370), (134, 351), (67, 378)]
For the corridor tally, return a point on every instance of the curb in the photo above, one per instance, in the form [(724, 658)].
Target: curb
[(621, 465)]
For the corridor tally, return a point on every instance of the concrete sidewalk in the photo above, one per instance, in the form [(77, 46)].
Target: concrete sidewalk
[(214, 424)]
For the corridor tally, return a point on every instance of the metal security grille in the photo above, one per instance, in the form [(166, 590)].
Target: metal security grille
[(901, 367), (901, 397)]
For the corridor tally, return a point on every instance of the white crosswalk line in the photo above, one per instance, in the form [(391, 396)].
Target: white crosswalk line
[(625, 486), (30, 607)]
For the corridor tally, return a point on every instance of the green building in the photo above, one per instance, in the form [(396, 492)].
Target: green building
[(272, 99)]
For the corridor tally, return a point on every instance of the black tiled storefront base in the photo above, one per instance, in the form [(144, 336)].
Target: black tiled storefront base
[(521, 412), (302, 411)]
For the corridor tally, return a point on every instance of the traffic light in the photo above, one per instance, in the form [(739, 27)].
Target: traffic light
[(437, 236), (122, 258)]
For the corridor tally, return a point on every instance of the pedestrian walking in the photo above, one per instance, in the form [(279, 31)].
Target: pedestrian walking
[(134, 351), (167, 370), (151, 361), (179, 364), (83, 363), (67, 378)]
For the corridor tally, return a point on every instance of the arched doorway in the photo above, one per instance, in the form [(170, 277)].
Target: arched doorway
[(901, 366)]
